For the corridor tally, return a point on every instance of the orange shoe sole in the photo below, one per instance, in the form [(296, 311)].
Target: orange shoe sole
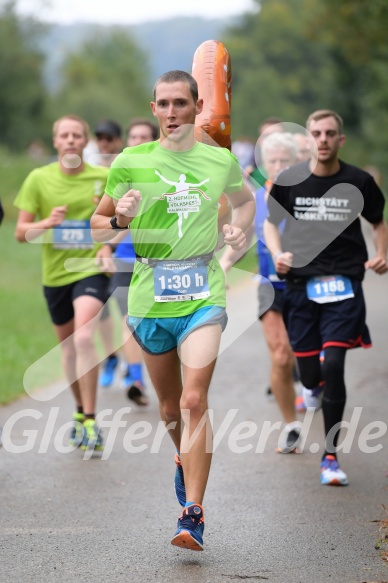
[(184, 540)]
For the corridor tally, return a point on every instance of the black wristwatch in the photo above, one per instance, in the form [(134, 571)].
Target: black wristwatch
[(115, 226)]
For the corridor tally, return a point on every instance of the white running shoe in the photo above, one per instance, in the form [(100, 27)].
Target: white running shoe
[(290, 439), (313, 397)]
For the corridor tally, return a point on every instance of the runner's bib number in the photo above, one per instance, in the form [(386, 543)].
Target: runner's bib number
[(181, 281), (326, 289), (72, 234)]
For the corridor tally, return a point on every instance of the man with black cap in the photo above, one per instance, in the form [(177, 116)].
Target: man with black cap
[(109, 142), (109, 145)]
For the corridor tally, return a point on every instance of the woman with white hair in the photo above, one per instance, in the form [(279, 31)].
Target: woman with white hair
[(278, 151)]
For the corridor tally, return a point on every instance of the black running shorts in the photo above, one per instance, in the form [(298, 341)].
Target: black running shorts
[(270, 298), (312, 327), (60, 299)]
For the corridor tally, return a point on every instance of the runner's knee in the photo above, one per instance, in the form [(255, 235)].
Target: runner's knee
[(195, 402), (170, 412), (283, 357), (310, 371), (333, 370), (68, 351), (83, 340)]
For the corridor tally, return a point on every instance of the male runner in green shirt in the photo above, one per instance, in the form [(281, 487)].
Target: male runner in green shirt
[(168, 191), (63, 195)]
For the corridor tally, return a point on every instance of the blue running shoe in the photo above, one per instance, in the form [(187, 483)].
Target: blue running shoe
[(108, 373), (127, 379), (189, 534), (92, 436), (77, 431), (331, 473), (179, 482)]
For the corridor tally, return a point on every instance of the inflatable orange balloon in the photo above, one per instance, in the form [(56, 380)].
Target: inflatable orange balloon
[(213, 72)]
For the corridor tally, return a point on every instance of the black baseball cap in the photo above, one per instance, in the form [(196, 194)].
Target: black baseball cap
[(108, 127)]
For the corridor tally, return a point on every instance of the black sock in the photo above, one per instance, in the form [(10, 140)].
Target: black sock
[(80, 410), (90, 416)]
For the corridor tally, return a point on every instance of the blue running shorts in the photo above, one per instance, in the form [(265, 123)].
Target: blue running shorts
[(160, 335)]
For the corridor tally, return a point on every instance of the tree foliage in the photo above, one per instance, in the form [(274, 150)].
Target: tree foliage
[(277, 69), (22, 94), (292, 57), (106, 78), (357, 29), (359, 26), (289, 58)]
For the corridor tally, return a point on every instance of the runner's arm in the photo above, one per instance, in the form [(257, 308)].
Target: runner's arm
[(26, 223), (282, 260), (125, 209), (380, 240), (244, 208), (231, 256)]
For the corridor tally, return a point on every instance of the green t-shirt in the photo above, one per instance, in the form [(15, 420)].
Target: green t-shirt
[(177, 217), (48, 187)]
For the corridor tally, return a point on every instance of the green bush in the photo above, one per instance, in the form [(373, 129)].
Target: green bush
[(27, 333)]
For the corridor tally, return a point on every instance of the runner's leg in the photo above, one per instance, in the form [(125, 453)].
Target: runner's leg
[(165, 374), (86, 317), (334, 395), (64, 333), (282, 362), (198, 354)]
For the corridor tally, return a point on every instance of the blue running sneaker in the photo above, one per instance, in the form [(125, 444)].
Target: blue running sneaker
[(108, 373), (92, 436), (179, 482), (77, 431), (331, 473), (189, 534), (127, 379)]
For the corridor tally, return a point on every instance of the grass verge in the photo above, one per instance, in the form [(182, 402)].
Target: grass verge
[(27, 333)]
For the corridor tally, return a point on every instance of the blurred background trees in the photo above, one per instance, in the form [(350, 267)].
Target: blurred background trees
[(22, 93), (108, 77), (295, 56), (289, 57)]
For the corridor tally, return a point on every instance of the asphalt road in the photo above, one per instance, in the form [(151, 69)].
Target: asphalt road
[(66, 519)]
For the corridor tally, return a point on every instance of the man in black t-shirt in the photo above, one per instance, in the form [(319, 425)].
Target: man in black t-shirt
[(322, 255)]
